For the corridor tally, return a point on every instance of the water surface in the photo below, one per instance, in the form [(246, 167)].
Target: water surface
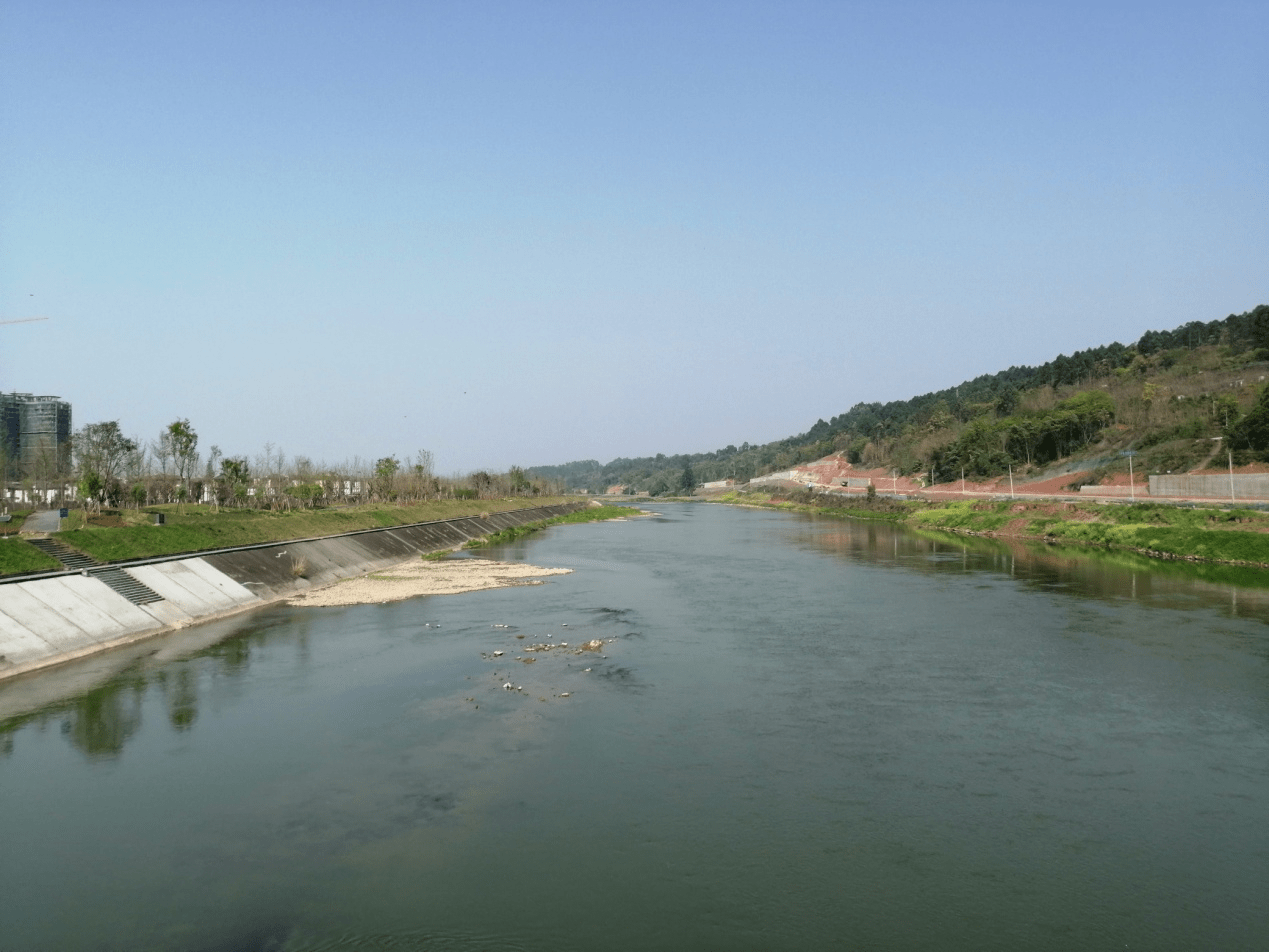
[(801, 733)]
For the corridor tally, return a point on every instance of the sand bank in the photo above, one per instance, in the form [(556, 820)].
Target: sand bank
[(416, 577)]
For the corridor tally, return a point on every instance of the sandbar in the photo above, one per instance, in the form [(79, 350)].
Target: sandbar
[(417, 577)]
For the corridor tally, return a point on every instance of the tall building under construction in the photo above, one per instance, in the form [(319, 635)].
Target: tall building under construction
[(34, 435)]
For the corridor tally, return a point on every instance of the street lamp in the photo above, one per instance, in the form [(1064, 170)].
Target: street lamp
[(1132, 490)]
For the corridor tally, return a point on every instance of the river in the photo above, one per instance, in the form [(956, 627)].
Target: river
[(799, 733)]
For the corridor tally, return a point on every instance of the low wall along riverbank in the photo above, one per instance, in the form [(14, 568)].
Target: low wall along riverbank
[(49, 620)]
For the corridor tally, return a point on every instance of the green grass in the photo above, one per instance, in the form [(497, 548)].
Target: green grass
[(17, 557), (884, 509), (197, 528), (1209, 534), (593, 514), (1180, 541), (970, 516), (14, 525)]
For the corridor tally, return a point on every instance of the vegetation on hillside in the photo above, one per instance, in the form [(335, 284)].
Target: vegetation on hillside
[(1167, 396)]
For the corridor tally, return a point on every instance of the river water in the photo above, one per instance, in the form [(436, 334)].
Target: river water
[(800, 733)]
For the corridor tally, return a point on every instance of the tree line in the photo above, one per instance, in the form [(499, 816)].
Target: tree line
[(112, 469)]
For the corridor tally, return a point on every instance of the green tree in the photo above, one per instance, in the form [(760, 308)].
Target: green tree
[(306, 494), (519, 482), (90, 486), (235, 476), (385, 476), (687, 481), (1225, 410), (1252, 431), (1093, 411)]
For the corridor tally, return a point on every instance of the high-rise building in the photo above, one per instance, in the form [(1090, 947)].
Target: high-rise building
[(34, 434)]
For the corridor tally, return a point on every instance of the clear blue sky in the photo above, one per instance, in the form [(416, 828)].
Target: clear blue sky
[(526, 233)]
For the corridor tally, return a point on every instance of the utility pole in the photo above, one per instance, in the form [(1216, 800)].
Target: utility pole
[(1132, 489), (1231, 473)]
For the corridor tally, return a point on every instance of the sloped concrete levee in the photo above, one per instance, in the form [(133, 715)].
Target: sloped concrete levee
[(68, 615)]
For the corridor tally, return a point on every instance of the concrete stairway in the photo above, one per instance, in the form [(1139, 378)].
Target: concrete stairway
[(65, 554), (136, 592)]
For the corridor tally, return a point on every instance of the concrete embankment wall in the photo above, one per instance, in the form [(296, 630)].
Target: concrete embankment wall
[(1240, 486), (50, 620), (1114, 491)]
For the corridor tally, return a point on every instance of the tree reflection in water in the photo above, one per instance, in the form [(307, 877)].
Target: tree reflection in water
[(181, 690), (100, 722)]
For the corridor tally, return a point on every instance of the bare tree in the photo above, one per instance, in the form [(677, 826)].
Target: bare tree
[(184, 445), (214, 456), (101, 450), (162, 450)]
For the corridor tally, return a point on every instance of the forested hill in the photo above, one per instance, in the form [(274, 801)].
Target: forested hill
[(913, 435)]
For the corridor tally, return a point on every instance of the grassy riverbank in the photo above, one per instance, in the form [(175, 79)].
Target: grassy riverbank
[(1202, 534), (130, 534), (594, 514), (18, 557)]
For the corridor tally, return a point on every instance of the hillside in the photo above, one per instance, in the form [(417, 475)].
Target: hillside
[(1166, 396)]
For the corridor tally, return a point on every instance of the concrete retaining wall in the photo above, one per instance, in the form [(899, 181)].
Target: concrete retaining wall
[(855, 482), (50, 620), (1246, 486)]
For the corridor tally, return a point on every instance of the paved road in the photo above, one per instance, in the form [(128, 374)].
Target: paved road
[(42, 522)]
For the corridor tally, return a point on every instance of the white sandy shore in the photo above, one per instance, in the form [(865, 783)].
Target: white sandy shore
[(416, 577)]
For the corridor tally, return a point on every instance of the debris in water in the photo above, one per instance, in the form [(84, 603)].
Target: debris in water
[(497, 654), (593, 645)]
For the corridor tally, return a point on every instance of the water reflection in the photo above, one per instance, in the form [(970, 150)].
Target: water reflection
[(99, 719), (100, 722), (181, 688), (99, 705), (867, 737), (1235, 591)]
